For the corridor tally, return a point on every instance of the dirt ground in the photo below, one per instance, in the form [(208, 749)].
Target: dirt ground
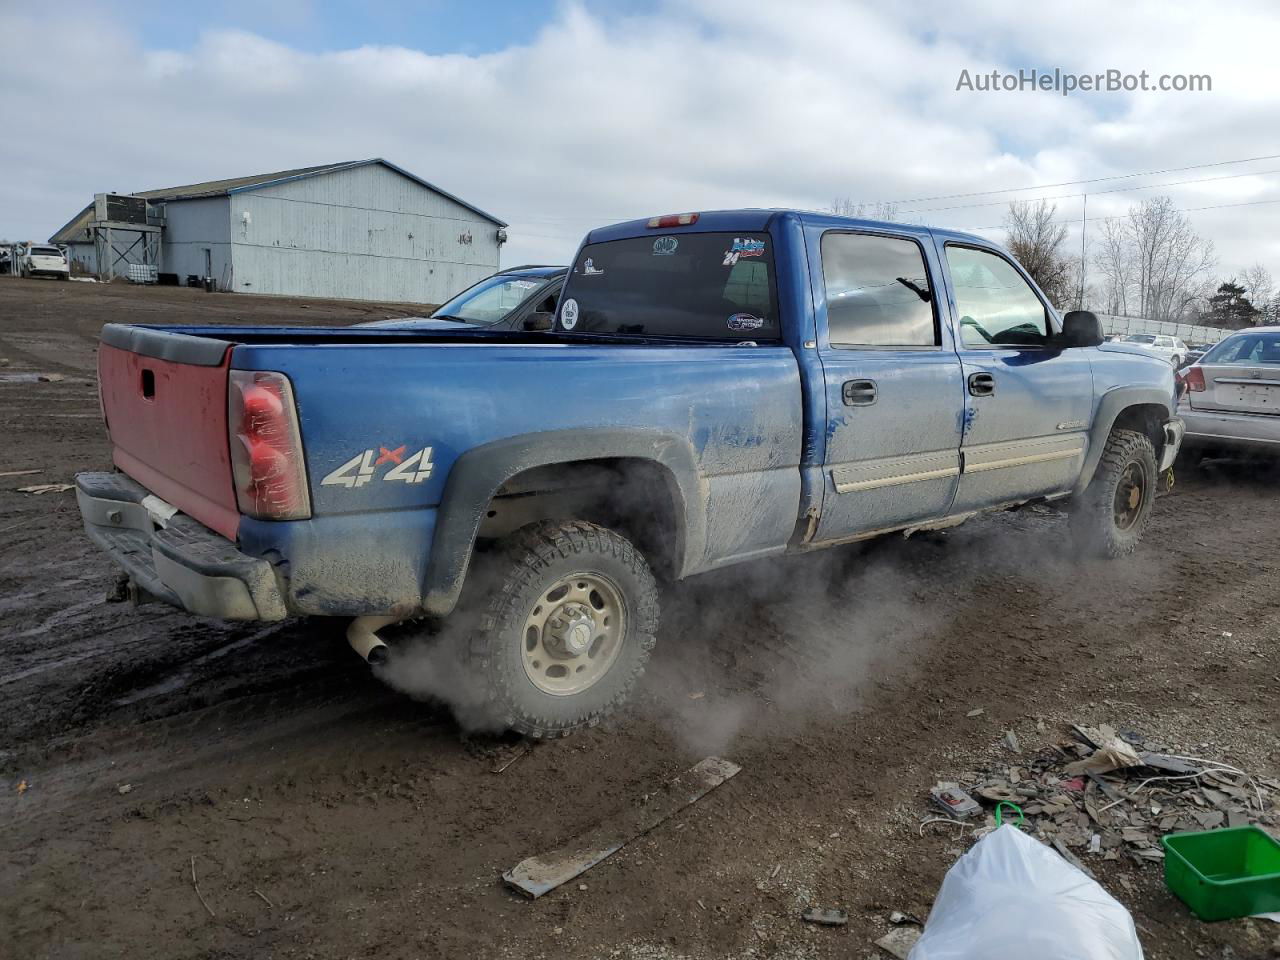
[(328, 816)]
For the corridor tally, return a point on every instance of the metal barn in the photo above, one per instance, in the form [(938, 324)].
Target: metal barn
[(363, 230)]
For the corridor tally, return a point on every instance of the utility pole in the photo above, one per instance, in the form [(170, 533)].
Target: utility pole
[(1084, 227)]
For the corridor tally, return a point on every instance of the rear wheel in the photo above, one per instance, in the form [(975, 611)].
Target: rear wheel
[(568, 627), (1112, 513)]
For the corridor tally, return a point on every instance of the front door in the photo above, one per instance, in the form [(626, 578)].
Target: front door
[(1028, 401), (894, 394)]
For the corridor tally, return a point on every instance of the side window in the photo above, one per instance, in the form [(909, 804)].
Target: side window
[(996, 305), (878, 292)]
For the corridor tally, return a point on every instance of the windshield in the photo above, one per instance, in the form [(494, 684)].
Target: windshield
[(1140, 338), (489, 300), (706, 285), (1246, 348)]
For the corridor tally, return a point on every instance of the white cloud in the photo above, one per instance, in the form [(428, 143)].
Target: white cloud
[(692, 106)]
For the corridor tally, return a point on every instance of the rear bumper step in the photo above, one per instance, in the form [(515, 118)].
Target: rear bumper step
[(173, 557)]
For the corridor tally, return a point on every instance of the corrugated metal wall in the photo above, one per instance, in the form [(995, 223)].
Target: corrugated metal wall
[(191, 228), (366, 233), (82, 258), (1187, 331)]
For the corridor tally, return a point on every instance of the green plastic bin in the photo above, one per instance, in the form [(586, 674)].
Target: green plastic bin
[(1222, 874)]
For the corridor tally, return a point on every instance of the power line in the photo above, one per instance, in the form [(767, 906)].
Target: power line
[(1121, 216), (1095, 193), (1074, 183), (987, 193)]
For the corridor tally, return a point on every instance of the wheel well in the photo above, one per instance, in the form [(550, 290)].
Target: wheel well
[(637, 498), (1147, 419)]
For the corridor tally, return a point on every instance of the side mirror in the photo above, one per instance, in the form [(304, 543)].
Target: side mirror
[(539, 321), (1081, 328)]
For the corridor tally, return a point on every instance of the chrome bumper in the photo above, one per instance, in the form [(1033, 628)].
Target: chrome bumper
[(1174, 430), (173, 558)]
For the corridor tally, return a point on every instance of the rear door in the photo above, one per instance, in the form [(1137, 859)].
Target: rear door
[(1242, 375), (1028, 401), (892, 379)]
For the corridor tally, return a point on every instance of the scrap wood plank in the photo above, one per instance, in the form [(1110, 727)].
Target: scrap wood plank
[(542, 873)]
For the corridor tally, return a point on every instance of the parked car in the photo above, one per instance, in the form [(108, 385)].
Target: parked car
[(717, 387), (1231, 398), (44, 261), (519, 298), (1171, 348), (1195, 351)]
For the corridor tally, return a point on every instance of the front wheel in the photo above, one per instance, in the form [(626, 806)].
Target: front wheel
[(1114, 510), (570, 622)]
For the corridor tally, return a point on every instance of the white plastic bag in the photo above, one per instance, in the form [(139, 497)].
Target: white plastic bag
[(1012, 898)]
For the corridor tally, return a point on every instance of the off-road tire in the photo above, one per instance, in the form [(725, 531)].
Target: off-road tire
[(526, 564), (1093, 519)]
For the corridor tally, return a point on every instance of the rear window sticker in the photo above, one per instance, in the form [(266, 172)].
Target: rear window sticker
[(569, 313), (743, 247), (665, 246), (745, 321), (589, 269)]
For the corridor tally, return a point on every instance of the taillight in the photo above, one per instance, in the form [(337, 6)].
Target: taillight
[(673, 220), (266, 447), (1194, 379)]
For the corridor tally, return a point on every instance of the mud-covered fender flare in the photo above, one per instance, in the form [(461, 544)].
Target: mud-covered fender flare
[(1112, 404), (478, 474)]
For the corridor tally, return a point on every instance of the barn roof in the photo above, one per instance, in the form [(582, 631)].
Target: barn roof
[(221, 188)]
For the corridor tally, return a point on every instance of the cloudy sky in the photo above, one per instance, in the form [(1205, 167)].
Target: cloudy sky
[(558, 116)]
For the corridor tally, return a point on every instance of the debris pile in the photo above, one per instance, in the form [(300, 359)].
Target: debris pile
[(1111, 795)]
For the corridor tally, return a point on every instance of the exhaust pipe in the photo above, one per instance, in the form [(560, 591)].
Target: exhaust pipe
[(364, 640)]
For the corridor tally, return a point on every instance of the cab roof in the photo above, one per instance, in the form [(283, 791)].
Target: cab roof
[(757, 220)]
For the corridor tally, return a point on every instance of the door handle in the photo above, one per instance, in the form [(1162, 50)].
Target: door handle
[(981, 384), (858, 393)]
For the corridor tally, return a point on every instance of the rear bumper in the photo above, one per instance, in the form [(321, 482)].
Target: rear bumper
[(173, 557), (1218, 428)]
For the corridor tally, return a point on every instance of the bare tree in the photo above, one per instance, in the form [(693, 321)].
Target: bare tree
[(1114, 262), (846, 207), (1153, 262), (1259, 287), (1036, 239), (1173, 262)]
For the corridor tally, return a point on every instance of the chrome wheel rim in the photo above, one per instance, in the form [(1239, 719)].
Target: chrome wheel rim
[(1130, 493), (573, 634)]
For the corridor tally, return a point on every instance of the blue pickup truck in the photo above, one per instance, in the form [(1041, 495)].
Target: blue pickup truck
[(717, 387)]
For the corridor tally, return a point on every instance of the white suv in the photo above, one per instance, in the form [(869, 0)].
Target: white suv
[(44, 261), (1171, 348)]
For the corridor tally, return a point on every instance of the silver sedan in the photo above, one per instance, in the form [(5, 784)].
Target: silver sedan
[(1232, 395)]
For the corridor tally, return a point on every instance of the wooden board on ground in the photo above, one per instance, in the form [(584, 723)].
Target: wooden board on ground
[(542, 873)]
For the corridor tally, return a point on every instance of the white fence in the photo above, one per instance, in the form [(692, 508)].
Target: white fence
[(1188, 332)]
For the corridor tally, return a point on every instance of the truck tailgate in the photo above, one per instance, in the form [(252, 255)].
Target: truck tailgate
[(165, 399)]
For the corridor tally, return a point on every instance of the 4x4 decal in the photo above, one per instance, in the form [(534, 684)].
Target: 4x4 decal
[(363, 467)]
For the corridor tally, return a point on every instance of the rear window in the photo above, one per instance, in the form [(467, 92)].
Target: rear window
[(45, 252), (717, 286), (1246, 348)]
